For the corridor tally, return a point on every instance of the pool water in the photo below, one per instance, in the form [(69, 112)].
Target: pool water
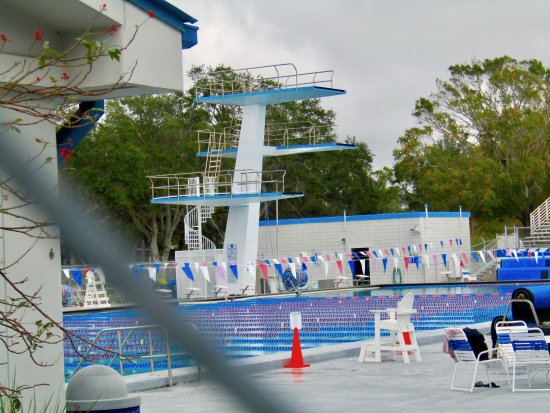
[(258, 326)]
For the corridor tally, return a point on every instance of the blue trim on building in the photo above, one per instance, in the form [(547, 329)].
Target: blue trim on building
[(373, 217), (173, 16)]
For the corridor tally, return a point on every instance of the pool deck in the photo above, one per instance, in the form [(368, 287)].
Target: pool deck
[(336, 382)]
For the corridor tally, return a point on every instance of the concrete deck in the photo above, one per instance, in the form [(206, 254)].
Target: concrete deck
[(336, 382)]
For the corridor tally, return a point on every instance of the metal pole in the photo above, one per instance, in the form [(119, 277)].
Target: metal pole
[(345, 228), (168, 358), (151, 351), (426, 211), (120, 353)]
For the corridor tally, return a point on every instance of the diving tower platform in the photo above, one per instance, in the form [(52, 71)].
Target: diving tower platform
[(271, 97), (286, 150), (245, 187)]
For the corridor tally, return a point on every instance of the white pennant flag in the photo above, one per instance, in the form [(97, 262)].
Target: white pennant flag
[(537, 256), (381, 254), (362, 266), (426, 261), (292, 266), (320, 257), (395, 264), (515, 253), (482, 256), (197, 266), (415, 250), (455, 259), (204, 272), (398, 253), (298, 261)]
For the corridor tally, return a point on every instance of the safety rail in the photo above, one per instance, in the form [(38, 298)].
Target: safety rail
[(208, 139), (238, 182), (121, 342), (249, 80), (297, 133), (280, 134), (540, 217)]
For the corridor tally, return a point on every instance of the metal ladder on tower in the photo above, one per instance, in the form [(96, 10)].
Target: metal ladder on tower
[(194, 219)]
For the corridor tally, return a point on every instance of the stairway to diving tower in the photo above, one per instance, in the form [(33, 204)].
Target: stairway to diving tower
[(245, 187)]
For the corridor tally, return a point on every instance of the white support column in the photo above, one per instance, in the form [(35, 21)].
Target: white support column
[(38, 260), (243, 220)]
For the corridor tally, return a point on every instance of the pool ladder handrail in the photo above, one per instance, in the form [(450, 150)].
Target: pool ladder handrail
[(121, 342)]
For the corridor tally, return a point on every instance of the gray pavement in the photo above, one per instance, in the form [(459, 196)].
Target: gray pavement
[(344, 385)]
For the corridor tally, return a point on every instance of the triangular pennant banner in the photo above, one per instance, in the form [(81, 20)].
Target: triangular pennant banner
[(234, 270), (325, 264), (188, 272), (444, 257), (385, 264), (204, 272), (351, 264), (263, 267)]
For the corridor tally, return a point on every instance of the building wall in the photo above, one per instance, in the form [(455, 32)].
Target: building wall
[(333, 235)]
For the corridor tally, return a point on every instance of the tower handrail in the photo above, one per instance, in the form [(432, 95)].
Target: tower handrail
[(183, 185), (540, 216), (250, 83)]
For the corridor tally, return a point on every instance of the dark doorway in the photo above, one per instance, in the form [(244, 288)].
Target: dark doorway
[(361, 277)]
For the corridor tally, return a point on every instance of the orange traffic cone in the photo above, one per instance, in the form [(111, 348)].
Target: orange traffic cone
[(296, 359)]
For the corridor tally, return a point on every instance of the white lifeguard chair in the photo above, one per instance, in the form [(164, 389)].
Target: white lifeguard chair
[(96, 294), (402, 334)]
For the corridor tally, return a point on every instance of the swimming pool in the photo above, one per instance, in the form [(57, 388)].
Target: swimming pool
[(258, 326)]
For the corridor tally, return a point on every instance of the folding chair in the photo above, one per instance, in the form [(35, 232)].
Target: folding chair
[(530, 350), (463, 354)]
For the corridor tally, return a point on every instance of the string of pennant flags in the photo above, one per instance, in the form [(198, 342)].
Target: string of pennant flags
[(416, 255)]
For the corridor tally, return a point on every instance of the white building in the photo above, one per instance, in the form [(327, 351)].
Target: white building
[(414, 234)]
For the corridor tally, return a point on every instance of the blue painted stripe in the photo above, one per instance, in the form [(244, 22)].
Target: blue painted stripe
[(318, 145), (373, 217)]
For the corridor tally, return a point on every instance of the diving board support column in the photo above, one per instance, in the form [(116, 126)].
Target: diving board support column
[(243, 220)]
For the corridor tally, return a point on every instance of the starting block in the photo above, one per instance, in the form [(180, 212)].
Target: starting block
[(219, 289), (191, 291)]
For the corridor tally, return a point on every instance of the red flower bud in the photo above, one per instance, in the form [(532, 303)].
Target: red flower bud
[(38, 36), (65, 76), (111, 30), (150, 14), (103, 7), (4, 38)]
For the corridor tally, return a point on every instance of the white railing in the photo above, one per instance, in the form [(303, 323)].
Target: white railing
[(251, 79), (540, 216), (123, 336), (238, 182), (193, 229), (298, 133)]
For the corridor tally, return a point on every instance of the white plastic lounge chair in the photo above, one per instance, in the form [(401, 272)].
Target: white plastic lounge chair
[(530, 350)]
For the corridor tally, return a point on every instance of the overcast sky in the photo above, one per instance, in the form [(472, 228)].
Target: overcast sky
[(386, 53)]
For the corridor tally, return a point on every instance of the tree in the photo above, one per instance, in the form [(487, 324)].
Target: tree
[(141, 136), (483, 141), (156, 135)]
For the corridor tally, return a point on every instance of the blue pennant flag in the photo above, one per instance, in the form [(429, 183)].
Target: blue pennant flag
[(474, 256), (374, 253), (444, 256), (351, 264), (425, 247), (441, 242), (187, 270), (409, 248), (77, 275), (304, 266), (157, 266), (385, 263), (279, 268), (234, 270)]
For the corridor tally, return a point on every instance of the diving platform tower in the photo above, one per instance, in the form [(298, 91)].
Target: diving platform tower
[(245, 187)]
